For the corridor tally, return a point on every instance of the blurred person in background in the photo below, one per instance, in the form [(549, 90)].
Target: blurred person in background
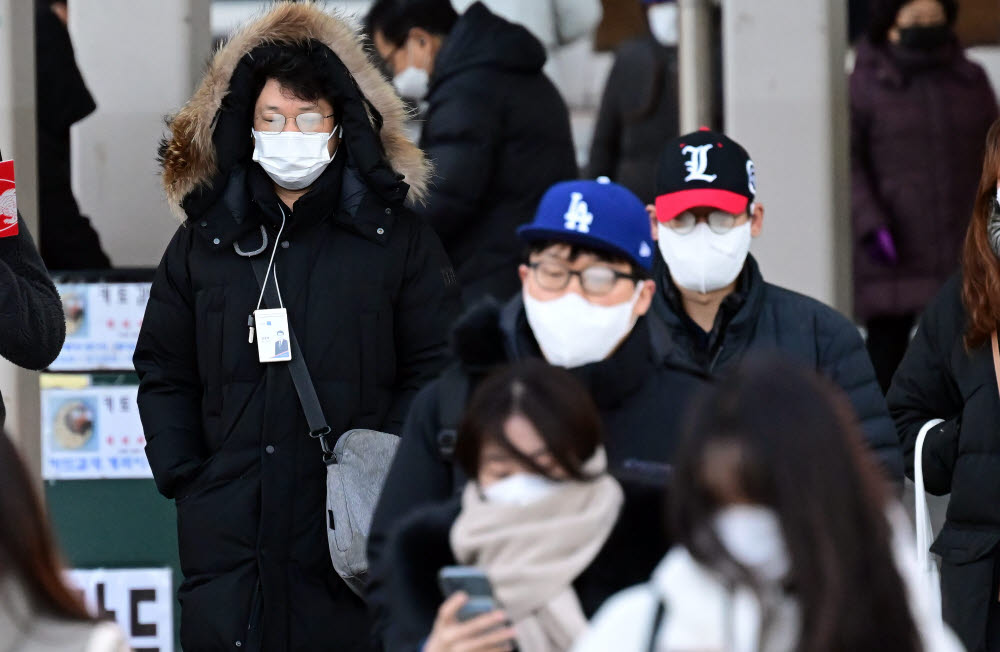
[(539, 514), (639, 109), (67, 239), (919, 114), (949, 372), (553, 22), (39, 612), (788, 537), (495, 128), (714, 300), (583, 306), (290, 165)]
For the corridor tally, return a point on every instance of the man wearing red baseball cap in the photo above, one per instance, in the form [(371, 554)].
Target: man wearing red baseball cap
[(716, 304)]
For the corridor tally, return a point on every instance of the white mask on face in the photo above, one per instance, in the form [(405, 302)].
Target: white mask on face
[(752, 535), (412, 83), (704, 261), (663, 23), (520, 489), (572, 331), (292, 159)]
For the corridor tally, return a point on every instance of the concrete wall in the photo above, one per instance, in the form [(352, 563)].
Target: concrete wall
[(141, 60), (786, 102)]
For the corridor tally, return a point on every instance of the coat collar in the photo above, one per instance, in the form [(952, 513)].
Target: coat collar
[(888, 70)]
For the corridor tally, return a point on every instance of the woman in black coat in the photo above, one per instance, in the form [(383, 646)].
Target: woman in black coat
[(948, 373), (542, 519)]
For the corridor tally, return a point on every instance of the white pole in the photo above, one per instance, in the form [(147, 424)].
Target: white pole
[(695, 56)]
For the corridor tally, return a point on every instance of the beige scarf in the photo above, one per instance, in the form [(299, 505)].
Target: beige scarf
[(533, 553)]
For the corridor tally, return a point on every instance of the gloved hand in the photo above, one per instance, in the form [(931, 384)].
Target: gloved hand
[(881, 246)]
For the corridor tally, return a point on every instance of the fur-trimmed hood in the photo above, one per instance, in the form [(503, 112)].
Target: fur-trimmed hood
[(192, 158)]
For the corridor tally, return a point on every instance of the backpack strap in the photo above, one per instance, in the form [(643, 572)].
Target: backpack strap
[(453, 391), (661, 611), (318, 427)]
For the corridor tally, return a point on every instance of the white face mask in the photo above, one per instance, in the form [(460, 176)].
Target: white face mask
[(663, 23), (752, 535), (413, 83), (292, 159), (704, 261), (520, 489), (572, 331)]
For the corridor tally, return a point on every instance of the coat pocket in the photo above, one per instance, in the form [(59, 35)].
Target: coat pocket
[(968, 561)]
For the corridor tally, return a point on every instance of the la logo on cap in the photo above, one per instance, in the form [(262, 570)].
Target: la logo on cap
[(578, 215)]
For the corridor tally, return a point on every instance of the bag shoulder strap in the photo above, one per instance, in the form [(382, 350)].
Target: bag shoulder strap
[(996, 358), (318, 427)]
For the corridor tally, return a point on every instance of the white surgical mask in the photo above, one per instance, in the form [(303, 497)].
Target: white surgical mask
[(704, 261), (752, 535), (520, 489), (412, 83), (572, 331), (292, 159), (663, 23)]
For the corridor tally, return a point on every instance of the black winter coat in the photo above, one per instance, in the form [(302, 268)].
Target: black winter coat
[(639, 112), (773, 319), (498, 134), (939, 379), (31, 313), (419, 547), (369, 294), (639, 395)]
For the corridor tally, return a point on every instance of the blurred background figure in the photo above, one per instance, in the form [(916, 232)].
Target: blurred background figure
[(788, 538), (555, 23), (38, 611), (946, 387), (67, 240), (919, 113), (639, 109), (496, 129), (541, 516)]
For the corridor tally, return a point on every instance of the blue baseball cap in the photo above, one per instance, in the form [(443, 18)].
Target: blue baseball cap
[(599, 215)]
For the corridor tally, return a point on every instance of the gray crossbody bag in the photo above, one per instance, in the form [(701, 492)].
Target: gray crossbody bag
[(356, 466)]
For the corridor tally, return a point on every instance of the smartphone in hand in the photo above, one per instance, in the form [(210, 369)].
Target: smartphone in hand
[(474, 583)]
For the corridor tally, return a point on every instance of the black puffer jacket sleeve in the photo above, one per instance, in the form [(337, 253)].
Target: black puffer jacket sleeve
[(428, 304), (31, 314), (418, 476), (166, 361), (460, 140), (845, 360), (924, 388)]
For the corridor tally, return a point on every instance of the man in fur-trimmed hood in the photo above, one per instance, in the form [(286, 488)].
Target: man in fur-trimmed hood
[(289, 162)]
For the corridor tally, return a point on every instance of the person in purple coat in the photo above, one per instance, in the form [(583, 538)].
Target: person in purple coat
[(920, 111)]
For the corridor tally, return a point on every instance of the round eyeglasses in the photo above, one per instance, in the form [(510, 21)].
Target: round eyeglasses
[(720, 222), (307, 123), (595, 280)]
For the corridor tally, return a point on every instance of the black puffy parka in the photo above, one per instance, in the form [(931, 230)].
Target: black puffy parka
[(369, 294), (498, 134), (759, 316), (640, 397), (940, 379)]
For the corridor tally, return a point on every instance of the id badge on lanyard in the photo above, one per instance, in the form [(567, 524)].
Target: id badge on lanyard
[(273, 344)]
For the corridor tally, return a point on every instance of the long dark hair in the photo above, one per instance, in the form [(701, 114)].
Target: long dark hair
[(27, 547), (980, 267), (800, 452), (555, 403)]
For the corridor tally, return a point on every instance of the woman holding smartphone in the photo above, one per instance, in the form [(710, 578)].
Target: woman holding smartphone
[(542, 519)]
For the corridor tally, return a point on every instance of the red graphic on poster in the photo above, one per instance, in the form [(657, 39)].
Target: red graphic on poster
[(8, 200)]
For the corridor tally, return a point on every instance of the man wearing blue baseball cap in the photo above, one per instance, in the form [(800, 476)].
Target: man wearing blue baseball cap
[(586, 287)]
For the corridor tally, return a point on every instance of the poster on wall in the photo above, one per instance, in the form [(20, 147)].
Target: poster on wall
[(140, 600), (90, 431), (102, 325)]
